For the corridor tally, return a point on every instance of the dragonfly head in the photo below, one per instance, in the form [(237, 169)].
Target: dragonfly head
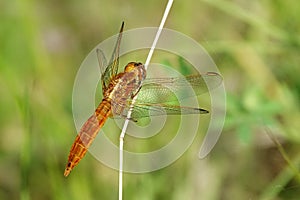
[(132, 65)]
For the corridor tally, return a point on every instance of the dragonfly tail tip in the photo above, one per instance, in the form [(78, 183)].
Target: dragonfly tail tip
[(67, 172)]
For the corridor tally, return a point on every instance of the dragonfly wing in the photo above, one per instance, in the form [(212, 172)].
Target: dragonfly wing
[(141, 110), (146, 110), (113, 65), (101, 60), (162, 90)]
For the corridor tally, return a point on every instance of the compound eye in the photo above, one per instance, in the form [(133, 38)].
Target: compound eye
[(137, 64)]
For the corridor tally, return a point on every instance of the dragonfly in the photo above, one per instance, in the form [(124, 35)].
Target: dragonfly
[(153, 97)]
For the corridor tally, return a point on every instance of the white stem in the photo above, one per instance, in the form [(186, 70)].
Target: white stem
[(122, 135)]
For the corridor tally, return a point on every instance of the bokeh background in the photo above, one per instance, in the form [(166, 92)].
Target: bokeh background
[(255, 44)]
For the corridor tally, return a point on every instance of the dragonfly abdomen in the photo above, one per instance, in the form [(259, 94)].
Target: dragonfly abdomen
[(87, 134)]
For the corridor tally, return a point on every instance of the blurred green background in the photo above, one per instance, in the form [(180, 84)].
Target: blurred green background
[(255, 44)]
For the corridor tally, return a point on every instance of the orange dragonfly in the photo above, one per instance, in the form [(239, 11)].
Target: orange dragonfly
[(155, 97)]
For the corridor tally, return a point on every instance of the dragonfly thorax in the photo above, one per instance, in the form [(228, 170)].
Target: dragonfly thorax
[(126, 84)]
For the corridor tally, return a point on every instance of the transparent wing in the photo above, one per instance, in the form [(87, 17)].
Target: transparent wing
[(158, 96), (146, 110), (101, 60), (113, 65), (141, 110), (162, 90)]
